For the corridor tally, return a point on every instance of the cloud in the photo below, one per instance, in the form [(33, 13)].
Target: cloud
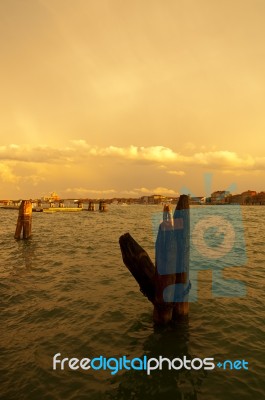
[(217, 159), (157, 190), (38, 154), (80, 143), (224, 158), (85, 191), (179, 173), (82, 191), (7, 175), (153, 153), (79, 151)]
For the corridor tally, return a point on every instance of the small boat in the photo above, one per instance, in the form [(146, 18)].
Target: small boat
[(60, 209)]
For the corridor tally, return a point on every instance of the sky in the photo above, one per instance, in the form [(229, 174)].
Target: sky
[(121, 98)]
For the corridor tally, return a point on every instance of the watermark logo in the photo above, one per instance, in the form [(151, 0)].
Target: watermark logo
[(144, 363), (218, 226), (216, 243)]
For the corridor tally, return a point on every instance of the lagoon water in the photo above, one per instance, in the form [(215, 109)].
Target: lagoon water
[(66, 291)]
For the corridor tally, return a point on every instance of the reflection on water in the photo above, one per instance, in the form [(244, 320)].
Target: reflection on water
[(26, 253), (66, 290), (172, 343)]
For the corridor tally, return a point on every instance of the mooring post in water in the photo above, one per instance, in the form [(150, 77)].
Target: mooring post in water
[(172, 264), (166, 284), (24, 220), (183, 284), (102, 206), (91, 206)]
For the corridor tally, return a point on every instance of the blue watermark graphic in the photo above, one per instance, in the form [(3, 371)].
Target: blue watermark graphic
[(216, 243)]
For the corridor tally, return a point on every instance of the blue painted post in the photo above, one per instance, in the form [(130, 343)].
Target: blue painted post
[(172, 264)]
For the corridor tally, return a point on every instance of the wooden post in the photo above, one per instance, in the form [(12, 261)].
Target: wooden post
[(172, 264), (166, 284), (102, 206), (139, 264), (91, 206), (24, 220), (182, 213)]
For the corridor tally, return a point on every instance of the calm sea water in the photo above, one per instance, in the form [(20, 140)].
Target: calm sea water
[(66, 290)]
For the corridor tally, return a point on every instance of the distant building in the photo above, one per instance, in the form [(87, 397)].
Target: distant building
[(156, 199), (6, 202), (12, 203), (248, 197), (144, 199), (249, 193), (260, 198), (51, 198), (235, 199), (197, 200), (220, 197)]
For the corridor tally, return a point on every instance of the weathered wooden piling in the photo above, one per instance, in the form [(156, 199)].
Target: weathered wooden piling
[(139, 264), (91, 206), (166, 284), (172, 264), (24, 220), (102, 206)]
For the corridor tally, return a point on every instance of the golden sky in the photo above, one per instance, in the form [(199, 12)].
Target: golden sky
[(127, 98)]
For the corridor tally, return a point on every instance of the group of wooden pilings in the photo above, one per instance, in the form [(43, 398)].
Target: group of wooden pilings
[(102, 206), (166, 283), (24, 221)]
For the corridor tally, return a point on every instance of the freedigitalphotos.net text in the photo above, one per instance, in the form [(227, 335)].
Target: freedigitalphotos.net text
[(115, 365)]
